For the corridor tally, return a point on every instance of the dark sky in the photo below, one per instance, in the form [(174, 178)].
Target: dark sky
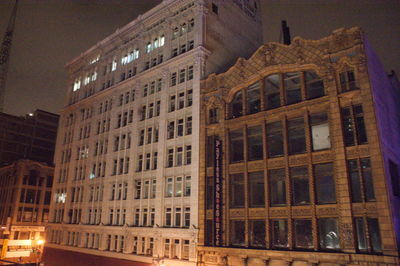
[(49, 33)]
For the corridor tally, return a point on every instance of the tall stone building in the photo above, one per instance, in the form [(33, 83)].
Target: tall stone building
[(299, 158), (126, 182)]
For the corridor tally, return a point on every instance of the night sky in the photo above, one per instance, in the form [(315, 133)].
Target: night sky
[(50, 33)]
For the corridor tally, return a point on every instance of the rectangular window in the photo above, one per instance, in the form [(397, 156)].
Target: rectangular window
[(257, 233), (172, 100), (189, 98), (140, 163), (188, 154), (179, 156), (187, 218), (155, 156), (210, 192), (395, 178), (180, 127), (292, 83), (170, 158), (187, 186), (171, 130), (374, 234), (272, 86), (300, 185), (237, 191), (296, 136), (189, 125), (168, 187), (256, 186), (325, 183), (275, 139), (190, 73), (277, 186), (173, 79), (347, 81), (279, 233), (178, 217), (303, 234), (178, 187), (168, 217), (236, 145), (353, 126), (328, 233), (314, 85), (149, 135), (320, 132), (141, 137), (182, 74), (255, 143), (253, 98), (362, 243), (237, 233)]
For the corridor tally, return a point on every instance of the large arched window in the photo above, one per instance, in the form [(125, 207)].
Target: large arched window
[(236, 106)]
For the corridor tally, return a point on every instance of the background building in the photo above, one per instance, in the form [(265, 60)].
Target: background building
[(31, 137), (126, 181), (25, 194), (300, 155)]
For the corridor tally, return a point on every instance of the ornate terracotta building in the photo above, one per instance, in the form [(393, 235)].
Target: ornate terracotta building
[(299, 158)]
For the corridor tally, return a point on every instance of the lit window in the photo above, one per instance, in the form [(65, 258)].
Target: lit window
[(162, 40), (114, 65), (148, 47)]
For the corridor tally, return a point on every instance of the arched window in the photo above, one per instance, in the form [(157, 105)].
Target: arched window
[(314, 85), (272, 85), (236, 106)]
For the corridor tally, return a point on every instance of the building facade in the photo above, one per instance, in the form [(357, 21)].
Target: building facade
[(126, 158), (31, 137), (299, 157), (25, 194)]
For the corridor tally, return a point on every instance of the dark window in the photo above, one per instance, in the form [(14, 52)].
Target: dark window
[(236, 145), (257, 233), (255, 143), (314, 85), (256, 186), (210, 150), (47, 197), (372, 241), (347, 81), (275, 139), (209, 234), (395, 178), (300, 185), (325, 183), (236, 106), (209, 192), (33, 177), (279, 234), (362, 243), (237, 233), (292, 83), (353, 126), (237, 191), (272, 86), (328, 234), (361, 177), (277, 187), (320, 132), (296, 136), (253, 98), (303, 234), (215, 8), (213, 115)]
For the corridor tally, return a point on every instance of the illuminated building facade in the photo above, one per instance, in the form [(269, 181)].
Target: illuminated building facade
[(25, 194), (299, 158), (126, 182)]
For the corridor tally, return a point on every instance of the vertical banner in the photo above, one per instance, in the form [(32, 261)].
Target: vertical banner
[(218, 192)]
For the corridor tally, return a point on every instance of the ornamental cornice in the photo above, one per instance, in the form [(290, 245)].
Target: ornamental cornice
[(301, 54)]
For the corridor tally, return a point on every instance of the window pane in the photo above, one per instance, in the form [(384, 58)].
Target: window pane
[(328, 234), (360, 234), (320, 132), (279, 234), (236, 106), (277, 186), (236, 146), (257, 233), (237, 233), (275, 139), (210, 193), (272, 85), (314, 85), (256, 184), (348, 129), (360, 125), (325, 184), (255, 143), (367, 176), (292, 87), (354, 181), (237, 191), (296, 136), (374, 233), (347, 81), (209, 233), (253, 98), (300, 185), (303, 234)]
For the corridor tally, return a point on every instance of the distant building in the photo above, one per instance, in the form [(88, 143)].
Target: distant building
[(300, 157), (25, 195), (126, 159), (31, 137)]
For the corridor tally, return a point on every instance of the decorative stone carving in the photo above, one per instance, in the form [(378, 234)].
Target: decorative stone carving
[(327, 211), (236, 213), (277, 212), (301, 211)]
